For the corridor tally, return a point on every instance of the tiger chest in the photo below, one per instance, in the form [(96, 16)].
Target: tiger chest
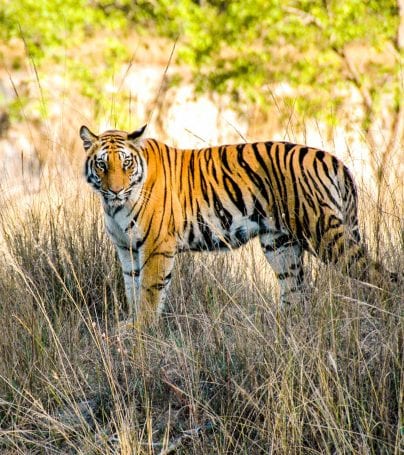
[(123, 232)]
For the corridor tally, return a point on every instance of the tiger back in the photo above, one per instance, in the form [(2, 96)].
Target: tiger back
[(159, 201)]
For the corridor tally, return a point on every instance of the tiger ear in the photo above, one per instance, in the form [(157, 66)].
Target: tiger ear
[(87, 137), (136, 134)]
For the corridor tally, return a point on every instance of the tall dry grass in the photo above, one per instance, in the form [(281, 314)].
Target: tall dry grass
[(224, 372)]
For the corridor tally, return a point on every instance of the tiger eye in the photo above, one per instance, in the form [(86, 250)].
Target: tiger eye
[(101, 165)]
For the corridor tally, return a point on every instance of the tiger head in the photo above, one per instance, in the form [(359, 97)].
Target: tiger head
[(114, 167)]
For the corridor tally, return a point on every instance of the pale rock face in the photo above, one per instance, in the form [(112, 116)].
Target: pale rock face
[(184, 119)]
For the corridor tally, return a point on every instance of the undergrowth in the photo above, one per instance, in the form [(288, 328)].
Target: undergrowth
[(223, 372)]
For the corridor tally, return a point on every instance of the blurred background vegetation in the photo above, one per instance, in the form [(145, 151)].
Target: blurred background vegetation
[(236, 47)]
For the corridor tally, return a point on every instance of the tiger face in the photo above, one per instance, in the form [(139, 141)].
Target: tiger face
[(114, 167)]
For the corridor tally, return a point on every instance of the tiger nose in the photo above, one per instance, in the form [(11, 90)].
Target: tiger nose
[(116, 190)]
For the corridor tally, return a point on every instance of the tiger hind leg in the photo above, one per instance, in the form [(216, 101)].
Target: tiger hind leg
[(342, 246), (285, 255)]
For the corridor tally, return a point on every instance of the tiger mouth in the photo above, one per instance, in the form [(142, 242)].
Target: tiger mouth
[(115, 202), (112, 199)]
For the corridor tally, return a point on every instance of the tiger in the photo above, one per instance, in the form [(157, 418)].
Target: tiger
[(159, 201)]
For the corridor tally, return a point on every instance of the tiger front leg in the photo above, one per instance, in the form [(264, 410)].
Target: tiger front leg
[(155, 277), (285, 255), (129, 259)]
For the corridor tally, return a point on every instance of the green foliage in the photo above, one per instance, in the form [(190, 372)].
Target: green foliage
[(45, 25), (245, 48), (52, 31)]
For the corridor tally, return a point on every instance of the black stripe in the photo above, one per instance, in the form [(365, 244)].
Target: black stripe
[(191, 163), (302, 153), (276, 170), (223, 155), (323, 185), (234, 193), (132, 273), (165, 153), (211, 163), (164, 203), (306, 222), (335, 164), (283, 276), (326, 170), (320, 155), (204, 185), (224, 215), (157, 287), (255, 178), (258, 157), (334, 222), (280, 241), (164, 254), (296, 200), (331, 181), (117, 210), (123, 247), (168, 277), (329, 251)]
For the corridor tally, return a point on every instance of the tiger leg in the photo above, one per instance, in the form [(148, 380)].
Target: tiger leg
[(342, 247), (129, 259), (285, 255), (155, 278)]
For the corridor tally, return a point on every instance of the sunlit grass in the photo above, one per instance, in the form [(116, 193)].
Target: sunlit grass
[(223, 362)]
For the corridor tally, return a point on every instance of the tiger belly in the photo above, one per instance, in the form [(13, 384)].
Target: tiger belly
[(208, 234), (281, 249)]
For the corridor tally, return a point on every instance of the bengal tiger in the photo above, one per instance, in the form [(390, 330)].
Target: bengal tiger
[(159, 200)]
